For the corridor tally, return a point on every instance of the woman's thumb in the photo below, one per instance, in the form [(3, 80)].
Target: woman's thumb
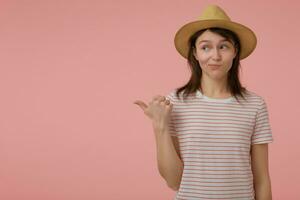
[(141, 104)]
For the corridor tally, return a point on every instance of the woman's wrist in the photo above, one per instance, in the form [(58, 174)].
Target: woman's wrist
[(160, 127)]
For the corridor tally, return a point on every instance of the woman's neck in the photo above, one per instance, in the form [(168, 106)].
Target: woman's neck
[(215, 88)]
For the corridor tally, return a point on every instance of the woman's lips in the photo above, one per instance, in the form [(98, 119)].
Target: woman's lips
[(214, 66)]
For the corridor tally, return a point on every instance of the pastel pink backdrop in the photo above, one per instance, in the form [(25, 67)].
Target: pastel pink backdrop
[(70, 71)]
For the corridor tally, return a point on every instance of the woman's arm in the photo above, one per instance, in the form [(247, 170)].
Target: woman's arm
[(170, 165), (260, 169)]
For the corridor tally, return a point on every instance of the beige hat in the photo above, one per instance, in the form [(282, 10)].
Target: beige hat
[(214, 16)]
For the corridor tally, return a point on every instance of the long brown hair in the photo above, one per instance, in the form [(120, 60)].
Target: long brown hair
[(234, 85)]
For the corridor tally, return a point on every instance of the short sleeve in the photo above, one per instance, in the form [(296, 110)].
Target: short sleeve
[(262, 132), (172, 129)]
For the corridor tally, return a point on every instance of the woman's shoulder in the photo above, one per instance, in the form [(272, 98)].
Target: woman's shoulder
[(254, 96), (177, 96), (171, 95)]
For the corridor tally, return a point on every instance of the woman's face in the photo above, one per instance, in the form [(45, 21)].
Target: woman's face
[(213, 49)]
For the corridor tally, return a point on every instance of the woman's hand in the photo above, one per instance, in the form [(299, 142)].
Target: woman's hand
[(158, 110)]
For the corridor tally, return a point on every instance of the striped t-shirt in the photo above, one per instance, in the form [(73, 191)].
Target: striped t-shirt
[(215, 138)]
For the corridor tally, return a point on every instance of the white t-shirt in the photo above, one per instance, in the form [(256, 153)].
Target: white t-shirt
[(215, 138)]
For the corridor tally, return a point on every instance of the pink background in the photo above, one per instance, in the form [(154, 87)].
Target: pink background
[(70, 71)]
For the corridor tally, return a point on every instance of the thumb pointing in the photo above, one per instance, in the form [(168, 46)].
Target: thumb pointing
[(141, 104)]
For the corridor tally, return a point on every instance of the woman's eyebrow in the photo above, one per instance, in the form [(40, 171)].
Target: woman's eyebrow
[(223, 40)]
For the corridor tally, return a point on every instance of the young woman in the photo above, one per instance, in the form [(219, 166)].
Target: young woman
[(212, 134)]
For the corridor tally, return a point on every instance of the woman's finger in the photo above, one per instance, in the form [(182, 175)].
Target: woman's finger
[(156, 97), (162, 98), (141, 104), (167, 102)]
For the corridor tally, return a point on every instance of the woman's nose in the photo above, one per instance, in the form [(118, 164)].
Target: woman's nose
[(216, 54)]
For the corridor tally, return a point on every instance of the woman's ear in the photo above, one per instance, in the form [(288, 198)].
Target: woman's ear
[(235, 52)]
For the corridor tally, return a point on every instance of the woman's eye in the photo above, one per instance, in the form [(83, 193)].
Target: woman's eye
[(204, 47), (224, 46)]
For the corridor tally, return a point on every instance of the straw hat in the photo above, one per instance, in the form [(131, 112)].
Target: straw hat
[(214, 16)]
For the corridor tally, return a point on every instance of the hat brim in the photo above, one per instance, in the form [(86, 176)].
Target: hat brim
[(246, 36)]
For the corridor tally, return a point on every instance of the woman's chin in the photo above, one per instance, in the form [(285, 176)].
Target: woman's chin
[(217, 75)]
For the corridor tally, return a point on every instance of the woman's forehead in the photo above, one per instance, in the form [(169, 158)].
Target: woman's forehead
[(211, 37)]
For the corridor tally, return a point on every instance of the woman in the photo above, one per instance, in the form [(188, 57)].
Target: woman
[(212, 134)]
